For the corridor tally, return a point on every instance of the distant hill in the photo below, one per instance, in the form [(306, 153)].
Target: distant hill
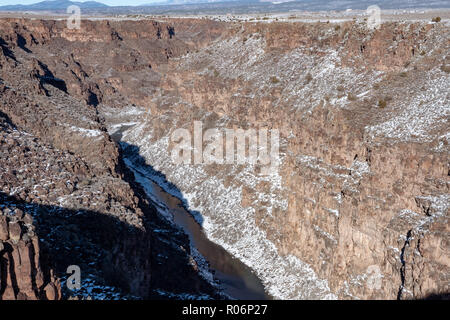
[(226, 6), (53, 5), (178, 2), (58, 5)]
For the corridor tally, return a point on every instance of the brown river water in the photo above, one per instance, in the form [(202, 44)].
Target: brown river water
[(236, 278)]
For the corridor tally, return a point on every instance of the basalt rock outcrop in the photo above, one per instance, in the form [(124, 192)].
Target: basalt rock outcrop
[(22, 276), (358, 207)]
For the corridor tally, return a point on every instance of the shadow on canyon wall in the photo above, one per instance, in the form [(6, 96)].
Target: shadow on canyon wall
[(109, 250), (133, 153), (22, 43), (438, 296), (106, 247), (173, 267), (7, 52), (49, 78), (100, 244), (7, 119)]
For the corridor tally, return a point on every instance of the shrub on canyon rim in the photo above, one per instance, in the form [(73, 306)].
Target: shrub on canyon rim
[(274, 80), (437, 19), (352, 97), (382, 103)]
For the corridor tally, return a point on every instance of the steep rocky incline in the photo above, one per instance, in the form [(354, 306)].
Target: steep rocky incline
[(359, 207), (66, 198)]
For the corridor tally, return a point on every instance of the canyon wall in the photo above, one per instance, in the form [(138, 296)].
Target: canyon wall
[(359, 207), (364, 115)]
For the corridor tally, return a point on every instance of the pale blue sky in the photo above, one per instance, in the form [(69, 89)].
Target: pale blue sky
[(108, 2)]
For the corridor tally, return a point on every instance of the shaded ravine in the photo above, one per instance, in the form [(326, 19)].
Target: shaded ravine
[(235, 278)]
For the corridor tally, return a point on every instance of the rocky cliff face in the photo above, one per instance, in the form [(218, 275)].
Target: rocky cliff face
[(359, 205), (22, 276), (364, 122), (363, 119), (66, 196)]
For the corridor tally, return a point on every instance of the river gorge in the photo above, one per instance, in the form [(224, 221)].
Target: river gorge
[(358, 207)]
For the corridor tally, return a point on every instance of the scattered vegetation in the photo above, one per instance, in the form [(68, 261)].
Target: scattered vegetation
[(340, 88), (382, 103), (337, 28), (352, 97), (437, 19), (403, 74), (274, 80), (308, 78), (445, 68)]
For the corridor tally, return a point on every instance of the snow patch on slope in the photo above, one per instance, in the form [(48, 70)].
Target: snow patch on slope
[(422, 112)]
